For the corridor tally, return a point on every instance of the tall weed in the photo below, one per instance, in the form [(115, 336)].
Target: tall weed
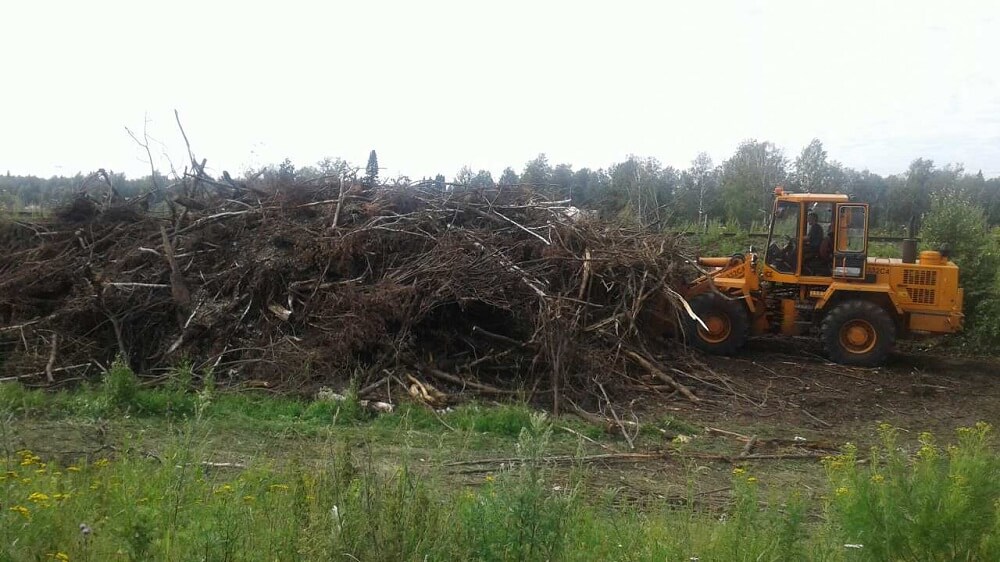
[(940, 505)]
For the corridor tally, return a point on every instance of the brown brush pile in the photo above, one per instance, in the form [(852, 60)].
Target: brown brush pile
[(493, 290)]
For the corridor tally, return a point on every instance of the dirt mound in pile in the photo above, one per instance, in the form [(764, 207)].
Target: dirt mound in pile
[(497, 288)]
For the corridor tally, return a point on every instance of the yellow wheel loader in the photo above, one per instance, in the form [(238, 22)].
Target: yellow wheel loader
[(816, 277)]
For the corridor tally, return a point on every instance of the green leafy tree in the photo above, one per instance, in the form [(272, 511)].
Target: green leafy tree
[(749, 178), (962, 225), (371, 170), (910, 195), (482, 179), (698, 192), (990, 197), (641, 189), (286, 172), (336, 167), (537, 172), (509, 177), (813, 172), (562, 179), (589, 188), (464, 175), (984, 192)]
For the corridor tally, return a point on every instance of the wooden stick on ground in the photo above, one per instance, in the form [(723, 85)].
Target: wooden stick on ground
[(646, 364), (717, 431), (29, 375), (748, 447), (564, 458), (460, 381)]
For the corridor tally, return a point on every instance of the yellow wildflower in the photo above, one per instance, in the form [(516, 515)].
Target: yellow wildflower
[(60, 497), (224, 489), (102, 462), (38, 497), (249, 499), (278, 487), (41, 470), (28, 458), (842, 491), (878, 478), (490, 478), (752, 480), (738, 471), (834, 463), (26, 481), (72, 468), (10, 474), (22, 511), (60, 556)]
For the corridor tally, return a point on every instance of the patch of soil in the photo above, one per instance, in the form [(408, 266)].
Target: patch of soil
[(789, 384)]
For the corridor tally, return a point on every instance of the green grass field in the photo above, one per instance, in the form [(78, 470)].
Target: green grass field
[(119, 471)]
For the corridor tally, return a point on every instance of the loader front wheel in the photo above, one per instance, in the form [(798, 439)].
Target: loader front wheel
[(726, 320), (858, 333)]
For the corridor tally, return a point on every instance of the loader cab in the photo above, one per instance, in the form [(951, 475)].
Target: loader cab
[(815, 238)]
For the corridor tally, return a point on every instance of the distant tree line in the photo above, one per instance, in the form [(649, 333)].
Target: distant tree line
[(737, 190)]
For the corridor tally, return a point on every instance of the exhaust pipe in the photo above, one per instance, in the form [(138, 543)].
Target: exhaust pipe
[(909, 250), (910, 242)]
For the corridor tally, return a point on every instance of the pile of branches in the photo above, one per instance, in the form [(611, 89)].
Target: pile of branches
[(491, 290)]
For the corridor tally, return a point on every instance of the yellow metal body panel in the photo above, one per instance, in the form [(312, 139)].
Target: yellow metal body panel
[(737, 277), (923, 290), (931, 323), (928, 294), (849, 287), (788, 317)]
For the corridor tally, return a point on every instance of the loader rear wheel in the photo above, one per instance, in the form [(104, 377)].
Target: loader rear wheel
[(727, 322), (858, 333)]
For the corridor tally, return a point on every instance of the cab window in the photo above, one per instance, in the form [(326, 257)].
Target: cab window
[(851, 224), (783, 252)]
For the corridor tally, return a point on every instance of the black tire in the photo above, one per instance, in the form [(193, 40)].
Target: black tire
[(728, 317), (858, 332)]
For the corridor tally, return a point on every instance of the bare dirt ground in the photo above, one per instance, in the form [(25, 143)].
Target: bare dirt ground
[(790, 384), (799, 405)]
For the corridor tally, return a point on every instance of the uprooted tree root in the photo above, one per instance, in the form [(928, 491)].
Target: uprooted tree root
[(493, 291)]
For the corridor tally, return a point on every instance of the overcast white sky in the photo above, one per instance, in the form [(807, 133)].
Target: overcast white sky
[(436, 85)]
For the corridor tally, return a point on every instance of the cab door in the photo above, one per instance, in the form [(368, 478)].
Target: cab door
[(850, 253)]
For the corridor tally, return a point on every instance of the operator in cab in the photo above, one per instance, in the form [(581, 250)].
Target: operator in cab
[(814, 235)]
